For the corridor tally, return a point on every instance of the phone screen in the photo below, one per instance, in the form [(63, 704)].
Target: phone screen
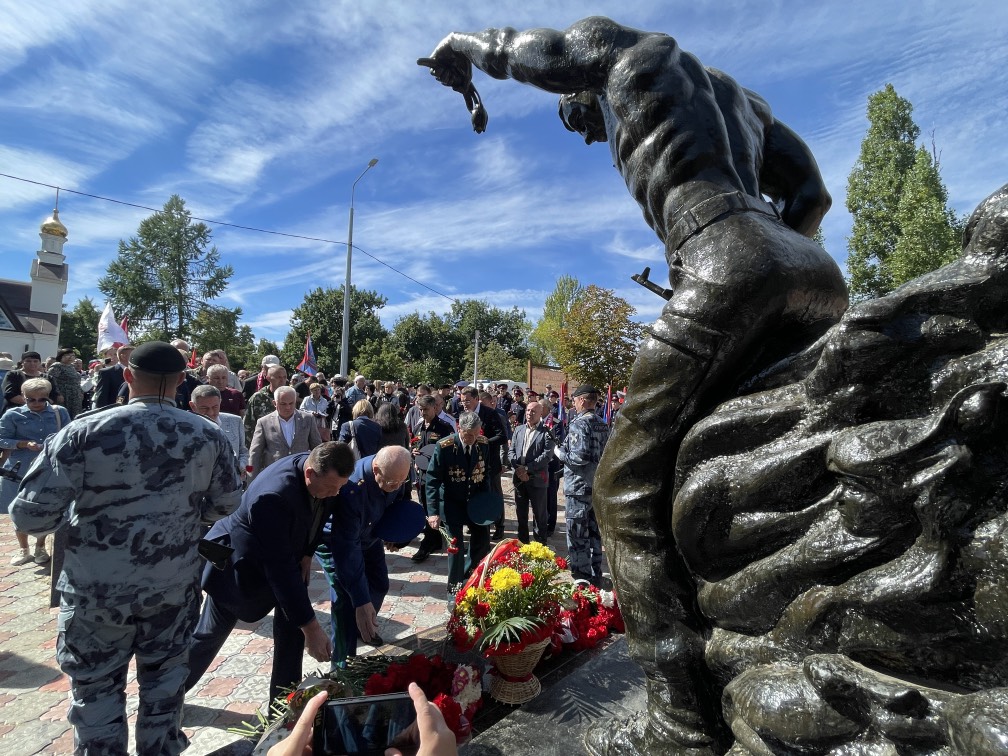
[(366, 725)]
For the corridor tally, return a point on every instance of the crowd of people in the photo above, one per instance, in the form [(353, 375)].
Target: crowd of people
[(135, 458)]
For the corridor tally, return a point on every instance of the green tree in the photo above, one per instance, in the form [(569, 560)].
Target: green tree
[(931, 234), (820, 238), (545, 337), (599, 341), (162, 277), (431, 348), (427, 370), (889, 159), (379, 359), (79, 328), (436, 347), (262, 348), (509, 328), (321, 315), (218, 328), (495, 363)]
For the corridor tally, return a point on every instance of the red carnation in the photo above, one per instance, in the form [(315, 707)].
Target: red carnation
[(561, 563), (482, 609), (527, 579), (451, 711)]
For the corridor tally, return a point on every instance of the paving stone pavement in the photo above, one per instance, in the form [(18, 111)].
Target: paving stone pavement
[(33, 691)]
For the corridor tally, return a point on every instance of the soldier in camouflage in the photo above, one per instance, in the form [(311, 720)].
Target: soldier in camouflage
[(261, 403), (132, 484), (580, 452)]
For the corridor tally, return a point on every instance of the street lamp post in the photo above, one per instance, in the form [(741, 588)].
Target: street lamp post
[(345, 346)]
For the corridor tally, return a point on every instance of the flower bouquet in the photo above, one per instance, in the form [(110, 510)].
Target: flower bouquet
[(508, 608), (594, 614)]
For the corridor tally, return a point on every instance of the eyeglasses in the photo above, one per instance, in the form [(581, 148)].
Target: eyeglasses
[(384, 481), (36, 400)]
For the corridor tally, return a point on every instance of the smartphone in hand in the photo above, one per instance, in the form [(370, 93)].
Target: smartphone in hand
[(364, 726)]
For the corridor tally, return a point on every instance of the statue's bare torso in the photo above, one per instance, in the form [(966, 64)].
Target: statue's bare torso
[(662, 114)]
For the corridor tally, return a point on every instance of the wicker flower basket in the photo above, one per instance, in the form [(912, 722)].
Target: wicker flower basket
[(513, 682)]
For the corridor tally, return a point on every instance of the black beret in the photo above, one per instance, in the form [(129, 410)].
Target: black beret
[(157, 357), (585, 389)]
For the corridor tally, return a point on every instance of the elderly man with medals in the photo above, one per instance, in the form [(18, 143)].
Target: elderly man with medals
[(459, 496)]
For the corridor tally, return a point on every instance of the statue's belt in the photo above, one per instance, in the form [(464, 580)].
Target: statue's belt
[(701, 215)]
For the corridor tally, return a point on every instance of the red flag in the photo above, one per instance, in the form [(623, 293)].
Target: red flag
[(307, 364), (562, 413), (192, 360), (125, 327)]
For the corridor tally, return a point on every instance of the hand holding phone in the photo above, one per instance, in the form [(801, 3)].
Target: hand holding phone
[(299, 741), (429, 730)]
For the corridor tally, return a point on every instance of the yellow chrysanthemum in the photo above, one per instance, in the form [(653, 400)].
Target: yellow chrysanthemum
[(538, 551), (505, 578)]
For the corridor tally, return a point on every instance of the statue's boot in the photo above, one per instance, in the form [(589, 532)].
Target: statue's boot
[(669, 726)]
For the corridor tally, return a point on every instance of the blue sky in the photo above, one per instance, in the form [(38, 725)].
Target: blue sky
[(263, 114)]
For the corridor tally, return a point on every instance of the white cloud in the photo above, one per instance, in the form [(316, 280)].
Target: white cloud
[(264, 114)]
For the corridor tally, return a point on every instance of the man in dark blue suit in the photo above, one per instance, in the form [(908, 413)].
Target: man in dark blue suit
[(273, 533)]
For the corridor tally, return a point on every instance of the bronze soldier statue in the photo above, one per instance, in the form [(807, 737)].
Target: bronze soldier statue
[(698, 152)]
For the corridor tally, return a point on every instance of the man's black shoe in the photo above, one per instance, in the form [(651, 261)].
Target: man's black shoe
[(497, 534), (421, 556)]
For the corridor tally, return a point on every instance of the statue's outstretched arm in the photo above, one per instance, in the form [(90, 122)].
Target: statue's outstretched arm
[(563, 62), (790, 174)]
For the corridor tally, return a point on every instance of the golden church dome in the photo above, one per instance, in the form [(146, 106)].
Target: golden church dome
[(52, 225)]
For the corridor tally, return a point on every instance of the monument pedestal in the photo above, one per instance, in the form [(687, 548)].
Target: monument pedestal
[(605, 686)]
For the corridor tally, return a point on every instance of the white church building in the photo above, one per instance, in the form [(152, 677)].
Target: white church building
[(30, 312)]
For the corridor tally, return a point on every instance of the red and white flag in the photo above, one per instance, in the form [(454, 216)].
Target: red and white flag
[(110, 334)]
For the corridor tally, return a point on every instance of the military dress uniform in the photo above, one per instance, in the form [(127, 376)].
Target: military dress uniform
[(133, 485), (580, 452), (453, 476)]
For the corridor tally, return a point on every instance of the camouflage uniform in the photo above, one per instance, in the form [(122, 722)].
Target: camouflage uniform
[(260, 404), (133, 484), (580, 452)]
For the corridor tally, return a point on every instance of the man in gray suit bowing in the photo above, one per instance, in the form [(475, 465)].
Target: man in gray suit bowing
[(530, 453), (283, 432)]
